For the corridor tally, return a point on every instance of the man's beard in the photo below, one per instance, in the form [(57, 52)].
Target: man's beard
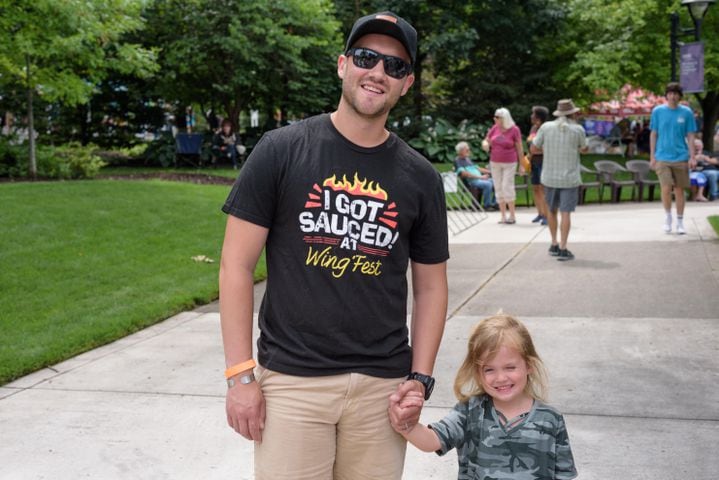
[(378, 111)]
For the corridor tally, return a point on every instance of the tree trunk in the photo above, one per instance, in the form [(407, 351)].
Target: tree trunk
[(232, 111), (30, 120), (710, 113), (83, 112)]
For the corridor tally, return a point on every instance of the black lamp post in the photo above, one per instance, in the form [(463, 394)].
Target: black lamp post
[(697, 10)]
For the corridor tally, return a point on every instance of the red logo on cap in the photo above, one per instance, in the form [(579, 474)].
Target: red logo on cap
[(389, 18)]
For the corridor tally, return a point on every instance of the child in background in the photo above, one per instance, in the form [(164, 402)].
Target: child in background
[(501, 428)]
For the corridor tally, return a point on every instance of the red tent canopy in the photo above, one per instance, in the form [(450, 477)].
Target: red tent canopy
[(630, 101)]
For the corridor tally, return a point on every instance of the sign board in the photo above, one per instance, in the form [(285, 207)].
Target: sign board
[(691, 67), (450, 182)]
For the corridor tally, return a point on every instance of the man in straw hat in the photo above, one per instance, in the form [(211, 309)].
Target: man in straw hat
[(561, 141), (343, 206)]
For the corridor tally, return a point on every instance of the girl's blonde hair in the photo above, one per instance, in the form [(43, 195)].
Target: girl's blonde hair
[(484, 343)]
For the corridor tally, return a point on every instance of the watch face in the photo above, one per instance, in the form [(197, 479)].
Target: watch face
[(425, 380), (429, 387)]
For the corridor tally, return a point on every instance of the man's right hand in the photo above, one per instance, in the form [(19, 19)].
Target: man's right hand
[(245, 407), (652, 162)]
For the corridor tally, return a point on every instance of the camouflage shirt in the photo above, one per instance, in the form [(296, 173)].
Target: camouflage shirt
[(533, 449)]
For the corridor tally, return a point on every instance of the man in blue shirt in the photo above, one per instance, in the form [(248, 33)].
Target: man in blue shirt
[(673, 128)]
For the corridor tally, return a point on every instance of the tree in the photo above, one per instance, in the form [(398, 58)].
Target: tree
[(237, 54), (508, 65), (627, 41), (444, 36), (473, 56), (61, 50)]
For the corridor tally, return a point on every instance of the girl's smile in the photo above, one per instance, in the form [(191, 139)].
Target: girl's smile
[(504, 377)]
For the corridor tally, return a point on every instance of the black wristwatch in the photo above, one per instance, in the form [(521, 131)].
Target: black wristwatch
[(425, 380)]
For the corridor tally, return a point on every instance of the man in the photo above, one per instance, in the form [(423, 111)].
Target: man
[(342, 206), (561, 141), (474, 175), (673, 130), (540, 114)]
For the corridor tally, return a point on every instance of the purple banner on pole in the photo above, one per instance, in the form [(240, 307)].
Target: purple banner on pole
[(691, 67)]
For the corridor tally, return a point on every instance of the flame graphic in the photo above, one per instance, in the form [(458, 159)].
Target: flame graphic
[(359, 187)]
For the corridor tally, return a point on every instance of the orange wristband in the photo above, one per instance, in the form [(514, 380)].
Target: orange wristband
[(240, 367)]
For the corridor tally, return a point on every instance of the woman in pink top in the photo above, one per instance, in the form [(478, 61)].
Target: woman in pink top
[(504, 141)]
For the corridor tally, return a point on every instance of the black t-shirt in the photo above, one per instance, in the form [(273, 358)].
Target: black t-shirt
[(344, 222)]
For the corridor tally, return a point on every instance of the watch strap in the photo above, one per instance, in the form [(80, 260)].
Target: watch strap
[(243, 380)]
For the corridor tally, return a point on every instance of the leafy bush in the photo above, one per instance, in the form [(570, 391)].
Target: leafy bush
[(437, 140), (127, 156), (12, 164), (71, 160), (161, 151)]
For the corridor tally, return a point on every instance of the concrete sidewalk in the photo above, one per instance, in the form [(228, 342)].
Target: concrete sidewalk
[(628, 331)]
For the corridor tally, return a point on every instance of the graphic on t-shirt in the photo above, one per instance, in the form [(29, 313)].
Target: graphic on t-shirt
[(349, 217)]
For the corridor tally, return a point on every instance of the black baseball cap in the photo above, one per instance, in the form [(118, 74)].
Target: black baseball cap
[(386, 23)]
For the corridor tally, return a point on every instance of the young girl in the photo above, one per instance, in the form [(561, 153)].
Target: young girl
[(500, 427)]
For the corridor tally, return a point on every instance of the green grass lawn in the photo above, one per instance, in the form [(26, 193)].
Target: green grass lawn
[(86, 262), (714, 221), (219, 172)]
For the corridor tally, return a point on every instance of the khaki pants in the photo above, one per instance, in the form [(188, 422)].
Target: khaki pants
[(503, 177), (325, 428)]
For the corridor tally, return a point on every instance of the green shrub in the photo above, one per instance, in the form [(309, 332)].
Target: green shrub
[(437, 140), (161, 151), (68, 161), (124, 156), (12, 162)]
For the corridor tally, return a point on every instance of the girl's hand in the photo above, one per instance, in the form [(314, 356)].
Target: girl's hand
[(405, 406), (412, 399)]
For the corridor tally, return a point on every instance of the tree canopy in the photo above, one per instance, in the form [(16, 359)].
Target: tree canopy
[(235, 54), (61, 50), (137, 59), (627, 41)]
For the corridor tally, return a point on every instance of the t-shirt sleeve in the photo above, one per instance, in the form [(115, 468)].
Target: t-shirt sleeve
[(654, 119), (451, 429), (538, 138), (516, 135), (564, 468), (581, 137), (691, 123), (429, 242), (253, 196)]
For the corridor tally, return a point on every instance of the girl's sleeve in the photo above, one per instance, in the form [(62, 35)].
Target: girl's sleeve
[(564, 468), (450, 430)]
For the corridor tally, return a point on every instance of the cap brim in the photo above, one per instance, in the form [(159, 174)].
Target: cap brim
[(381, 27)]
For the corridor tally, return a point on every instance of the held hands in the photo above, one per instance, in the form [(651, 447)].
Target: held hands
[(245, 407), (405, 406)]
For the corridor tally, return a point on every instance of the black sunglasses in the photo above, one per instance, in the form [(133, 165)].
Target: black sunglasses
[(365, 58)]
